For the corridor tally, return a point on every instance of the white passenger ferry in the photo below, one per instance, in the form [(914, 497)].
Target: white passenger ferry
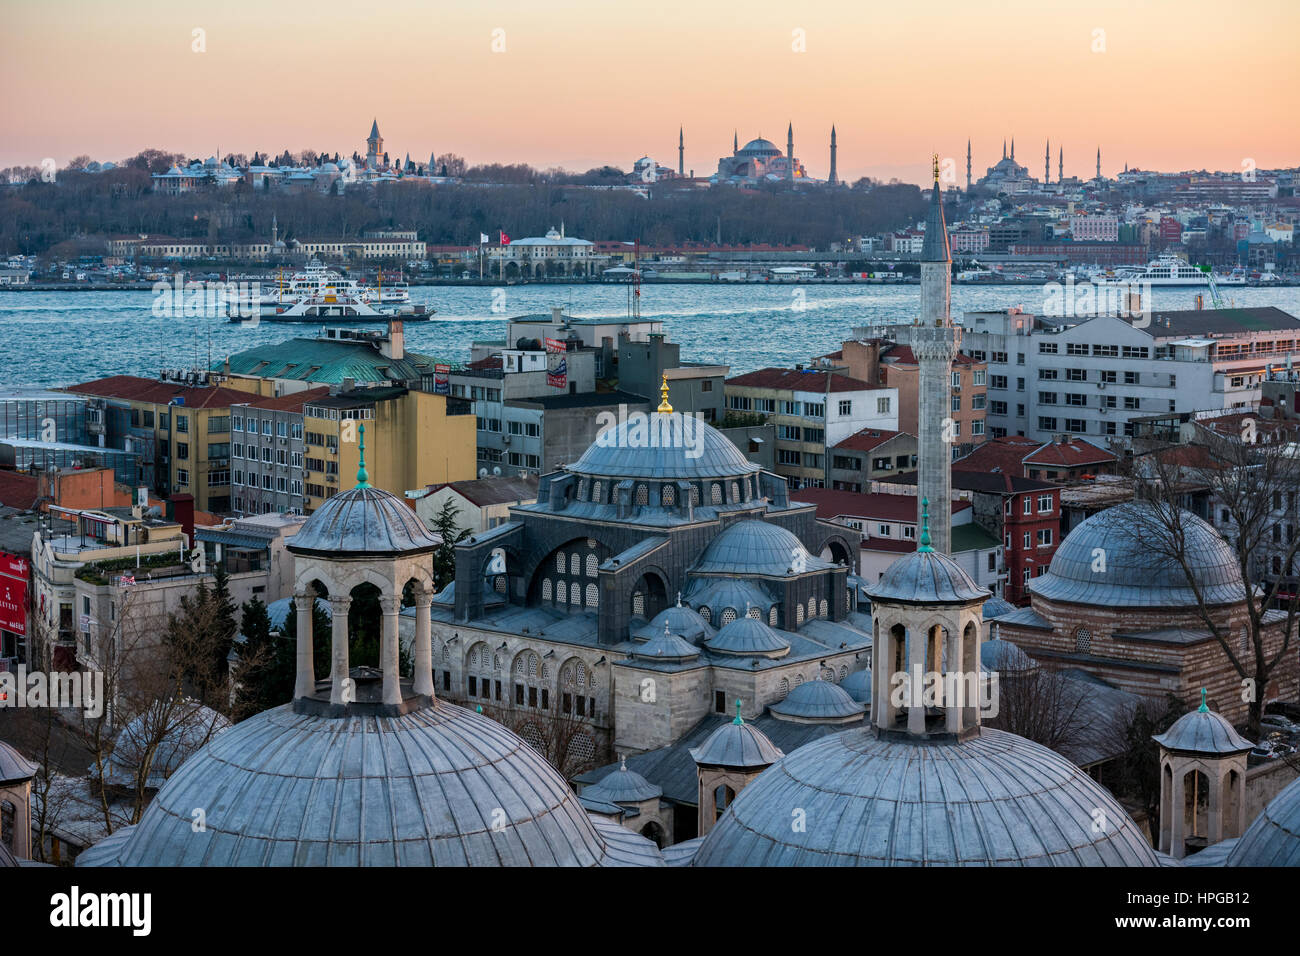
[(320, 293), (1170, 271)]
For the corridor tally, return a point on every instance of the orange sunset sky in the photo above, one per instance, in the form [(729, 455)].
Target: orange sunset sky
[(1180, 85)]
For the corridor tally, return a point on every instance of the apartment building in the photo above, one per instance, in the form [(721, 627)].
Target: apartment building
[(1091, 377), (694, 387), (812, 409), (267, 452), (869, 454), (1064, 459)]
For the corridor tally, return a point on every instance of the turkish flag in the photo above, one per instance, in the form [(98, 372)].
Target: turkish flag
[(505, 240)]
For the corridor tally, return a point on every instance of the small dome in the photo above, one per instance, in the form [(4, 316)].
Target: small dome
[(663, 446), (679, 619), (748, 637), (666, 647), (760, 147), (191, 727), (995, 607), (623, 786), (999, 655), (1273, 839), (1135, 572), (363, 521), (14, 767), (737, 744), (858, 686), (718, 594), (757, 547), (926, 577), (1203, 732), (818, 700), (995, 799)]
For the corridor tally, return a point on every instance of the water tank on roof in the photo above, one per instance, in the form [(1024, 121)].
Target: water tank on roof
[(529, 345)]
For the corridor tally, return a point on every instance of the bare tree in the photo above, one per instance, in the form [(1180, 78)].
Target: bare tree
[(1039, 704)]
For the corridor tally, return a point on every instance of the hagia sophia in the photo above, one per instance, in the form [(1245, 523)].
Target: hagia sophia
[(725, 676)]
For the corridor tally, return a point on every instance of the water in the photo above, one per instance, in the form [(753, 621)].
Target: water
[(60, 338)]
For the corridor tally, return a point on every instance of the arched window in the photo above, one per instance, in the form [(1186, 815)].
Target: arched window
[(499, 584), (638, 604), (532, 664), (735, 492), (783, 688), (546, 589), (591, 565), (668, 494), (756, 613), (812, 607), (715, 493), (446, 654), (1082, 640), (642, 494), (798, 618), (728, 615), (596, 489), (575, 564), (575, 594), (844, 671), (798, 679), (823, 608), (771, 616), (559, 562), (695, 494), (478, 671), (706, 615), (582, 489), (593, 596), (848, 601), (722, 798)]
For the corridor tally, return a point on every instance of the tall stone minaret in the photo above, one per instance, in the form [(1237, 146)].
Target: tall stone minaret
[(934, 343), (374, 144), (681, 151), (1060, 164), (1013, 149), (968, 166), (1004, 149), (735, 142), (789, 150), (834, 180), (1047, 163), (1099, 162)]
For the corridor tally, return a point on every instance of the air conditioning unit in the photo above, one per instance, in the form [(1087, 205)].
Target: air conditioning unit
[(1101, 385), (1103, 409)]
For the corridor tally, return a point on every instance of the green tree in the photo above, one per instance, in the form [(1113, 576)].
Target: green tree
[(444, 558), (257, 683)]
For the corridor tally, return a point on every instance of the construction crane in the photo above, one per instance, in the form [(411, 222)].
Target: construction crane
[(1216, 300)]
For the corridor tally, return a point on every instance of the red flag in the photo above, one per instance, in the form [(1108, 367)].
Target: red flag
[(505, 240)]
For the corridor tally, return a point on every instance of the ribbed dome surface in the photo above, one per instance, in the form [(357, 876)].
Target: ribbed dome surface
[(1273, 839), (926, 577), (1136, 573), (1203, 732), (757, 547), (818, 700), (760, 147), (666, 647), (437, 787), (718, 594), (748, 636), (679, 619), (996, 799), (647, 449), (999, 655), (858, 686), (623, 786), (14, 767), (363, 521), (737, 745)]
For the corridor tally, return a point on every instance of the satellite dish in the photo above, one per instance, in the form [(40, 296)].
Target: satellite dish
[(482, 472), (496, 470)]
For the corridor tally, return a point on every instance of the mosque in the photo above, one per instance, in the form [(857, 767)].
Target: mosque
[(762, 160), (655, 598)]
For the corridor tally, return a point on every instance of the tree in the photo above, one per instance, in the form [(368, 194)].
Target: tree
[(1137, 769), (258, 686), (1039, 704), (444, 557)]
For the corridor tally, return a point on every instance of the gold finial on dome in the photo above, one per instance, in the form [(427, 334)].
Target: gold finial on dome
[(936, 167), (664, 407)]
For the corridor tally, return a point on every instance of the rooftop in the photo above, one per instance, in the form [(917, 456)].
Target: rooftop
[(796, 380)]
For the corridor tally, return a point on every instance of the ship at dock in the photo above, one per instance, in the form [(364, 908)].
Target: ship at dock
[(318, 293)]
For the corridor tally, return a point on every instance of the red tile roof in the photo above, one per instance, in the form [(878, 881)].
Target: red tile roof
[(797, 381), (17, 491), (868, 439), (1004, 455), (853, 504), (1070, 454), (133, 388)]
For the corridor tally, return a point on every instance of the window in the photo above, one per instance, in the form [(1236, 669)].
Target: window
[(182, 423), (1047, 374), (1082, 640), (997, 381), (1046, 424), (1029, 505), (1108, 376), (236, 422), (1000, 357), (765, 405), (1047, 348), (882, 406), (1131, 402), (1076, 375), (784, 457), (979, 377), (1106, 351), (182, 477), (998, 408), (720, 701), (846, 407), (956, 403), (789, 432), (1077, 399), (1076, 425), (295, 431), (1044, 537), (909, 532), (977, 402), (218, 450), (1130, 378), (977, 427), (885, 530), (1076, 348), (814, 410), (182, 450), (266, 427), (1046, 398)]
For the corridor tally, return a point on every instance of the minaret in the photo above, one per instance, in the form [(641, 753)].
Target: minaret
[(681, 151), (1060, 165), (1047, 163), (834, 180), (735, 143), (934, 343), (275, 231), (1013, 149), (374, 144), (789, 150), (968, 166), (1004, 149), (1099, 162)]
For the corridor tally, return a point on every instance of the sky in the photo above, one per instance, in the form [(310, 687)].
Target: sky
[(1192, 84)]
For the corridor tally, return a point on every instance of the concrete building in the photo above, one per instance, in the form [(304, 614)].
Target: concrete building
[(537, 257), (870, 454), (267, 453), (481, 504), (1064, 459), (696, 388)]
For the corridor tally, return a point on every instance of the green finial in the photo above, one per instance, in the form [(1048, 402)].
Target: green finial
[(925, 527), (363, 479), (478, 709), (1203, 709), (737, 720)]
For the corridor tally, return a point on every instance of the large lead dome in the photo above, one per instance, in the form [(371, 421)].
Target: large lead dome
[(663, 445), (993, 800)]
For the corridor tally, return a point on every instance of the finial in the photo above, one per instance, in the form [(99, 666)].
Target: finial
[(623, 764), (478, 709), (665, 629), (363, 479), (1203, 709), (679, 598), (664, 407), (925, 527), (737, 720), (936, 167)]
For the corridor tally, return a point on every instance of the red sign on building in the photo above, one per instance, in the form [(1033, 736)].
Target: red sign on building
[(13, 593)]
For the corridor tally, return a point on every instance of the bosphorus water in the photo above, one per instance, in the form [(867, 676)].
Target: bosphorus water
[(60, 338)]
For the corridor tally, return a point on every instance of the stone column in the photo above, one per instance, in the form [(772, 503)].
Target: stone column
[(916, 664), (388, 649), (1239, 809), (1178, 816), (339, 666), (954, 685), (305, 682), (423, 642), (1214, 807)]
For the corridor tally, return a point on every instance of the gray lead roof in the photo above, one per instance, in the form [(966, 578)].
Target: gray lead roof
[(1203, 732), (926, 577), (363, 521), (1274, 838), (666, 449), (818, 700), (758, 547)]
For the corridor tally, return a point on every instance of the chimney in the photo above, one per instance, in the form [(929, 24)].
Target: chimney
[(557, 314), (393, 346)]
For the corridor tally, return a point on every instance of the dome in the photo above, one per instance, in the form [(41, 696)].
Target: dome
[(663, 446), (858, 686), (995, 607), (1203, 732), (1135, 573), (1273, 839), (737, 744), (666, 647), (926, 577), (363, 521), (748, 637), (679, 619), (718, 594), (429, 788), (623, 786), (995, 799), (757, 547), (818, 700), (999, 655), (14, 767), (760, 147), (191, 726)]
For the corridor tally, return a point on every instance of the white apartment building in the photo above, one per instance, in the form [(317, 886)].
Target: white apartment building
[(1092, 376), (1094, 228)]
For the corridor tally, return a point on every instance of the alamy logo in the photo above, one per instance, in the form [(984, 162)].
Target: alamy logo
[(74, 690), (199, 300), (75, 909), (661, 430), (933, 689)]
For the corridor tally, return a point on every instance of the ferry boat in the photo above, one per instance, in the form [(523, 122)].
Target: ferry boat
[(320, 293), (1170, 271)]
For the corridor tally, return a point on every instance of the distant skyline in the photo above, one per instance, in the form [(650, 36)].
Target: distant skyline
[(1180, 85)]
